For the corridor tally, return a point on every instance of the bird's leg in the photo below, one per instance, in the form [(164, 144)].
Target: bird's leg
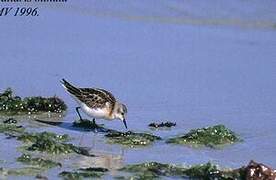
[(77, 109), (94, 122)]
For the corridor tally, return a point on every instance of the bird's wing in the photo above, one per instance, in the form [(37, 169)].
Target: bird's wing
[(92, 97), (107, 95), (71, 89), (96, 98)]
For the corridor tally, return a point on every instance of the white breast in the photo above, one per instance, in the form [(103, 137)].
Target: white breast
[(96, 113)]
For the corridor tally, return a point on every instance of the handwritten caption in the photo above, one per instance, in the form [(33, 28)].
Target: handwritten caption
[(23, 10)]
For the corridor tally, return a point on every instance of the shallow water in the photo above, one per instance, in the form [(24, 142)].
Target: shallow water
[(196, 64)]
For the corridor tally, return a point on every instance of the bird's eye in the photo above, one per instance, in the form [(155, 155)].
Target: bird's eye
[(122, 113)]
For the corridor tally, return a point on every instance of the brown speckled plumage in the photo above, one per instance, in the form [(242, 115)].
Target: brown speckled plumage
[(92, 97)]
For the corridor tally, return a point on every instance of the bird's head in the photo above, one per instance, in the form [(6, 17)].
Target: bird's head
[(120, 112)]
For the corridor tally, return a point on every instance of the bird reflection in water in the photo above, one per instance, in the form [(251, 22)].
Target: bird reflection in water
[(106, 155)]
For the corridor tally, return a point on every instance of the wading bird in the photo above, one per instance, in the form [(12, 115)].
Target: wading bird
[(96, 103)]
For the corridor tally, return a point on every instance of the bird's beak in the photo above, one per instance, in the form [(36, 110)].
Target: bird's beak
[(124, 121)]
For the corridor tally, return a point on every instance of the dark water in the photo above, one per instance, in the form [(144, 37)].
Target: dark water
[(194, 63)]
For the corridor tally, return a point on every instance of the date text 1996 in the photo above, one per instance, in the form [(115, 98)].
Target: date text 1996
[(19, 11)]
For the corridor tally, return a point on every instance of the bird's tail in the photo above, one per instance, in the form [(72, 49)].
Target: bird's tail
[(70, 88)]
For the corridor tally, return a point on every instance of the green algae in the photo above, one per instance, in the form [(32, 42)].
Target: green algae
[(167, 124), (131, 138), (39, 162), (10, 104), (211, 171), (48, 142), (11, 129), (84, 173), (86, 124), (51, 143), (33, 137), (208, 136), (54, 147), (49, 146), (124, 138), (154, 170)]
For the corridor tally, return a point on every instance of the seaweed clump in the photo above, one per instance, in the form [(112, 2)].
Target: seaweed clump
[(33, 137), (44, 141), (208, 136), (167, 124), (91, 172), (42, 163), (131, 138), (87, 124), (11, 129), (51, 143), (152, 170), (10, 104), (156, 170)]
